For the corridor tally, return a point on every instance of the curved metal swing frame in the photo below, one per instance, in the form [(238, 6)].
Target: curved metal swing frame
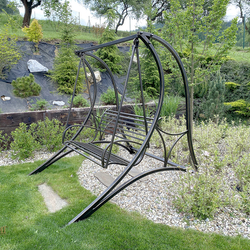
[(168, 165)]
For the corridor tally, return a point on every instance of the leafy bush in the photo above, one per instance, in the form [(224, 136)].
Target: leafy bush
[(238, 73), (34, 32), (4, 141), (240, 107), (39, 105), (9, 53), (48, 134), (231, 85), (109, 97), (24, 143), (26, 86), (199, 194), (65, 71), (79, 101)]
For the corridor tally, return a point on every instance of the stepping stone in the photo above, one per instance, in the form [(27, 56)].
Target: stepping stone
[(52, 200), (104, 178), (107, 179), (135, 171)]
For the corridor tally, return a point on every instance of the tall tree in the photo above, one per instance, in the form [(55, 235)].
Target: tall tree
[(244, 7), (182, 29), (121, 8), (8, 6), (29, 5)]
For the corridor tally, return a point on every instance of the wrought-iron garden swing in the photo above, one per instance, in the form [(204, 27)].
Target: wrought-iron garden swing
[(125, 129)]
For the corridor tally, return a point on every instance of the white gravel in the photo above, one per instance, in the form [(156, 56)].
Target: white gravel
[(152, 197)]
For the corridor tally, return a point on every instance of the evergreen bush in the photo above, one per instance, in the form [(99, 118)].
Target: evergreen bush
[(26, 86), (34, 32), (65, 71), (79, 101), (109, 97), (240, 107), (110, 55), (39, 105), (213, 106)]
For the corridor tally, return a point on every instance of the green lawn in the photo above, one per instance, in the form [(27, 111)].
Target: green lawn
[(30, 226)]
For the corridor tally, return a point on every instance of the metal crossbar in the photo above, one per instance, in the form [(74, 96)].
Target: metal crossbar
[(123, 129)]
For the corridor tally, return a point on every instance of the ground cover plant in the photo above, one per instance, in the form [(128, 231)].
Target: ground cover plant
[(28, 224)]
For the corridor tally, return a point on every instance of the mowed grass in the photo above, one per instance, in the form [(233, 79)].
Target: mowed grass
[(30, 226)]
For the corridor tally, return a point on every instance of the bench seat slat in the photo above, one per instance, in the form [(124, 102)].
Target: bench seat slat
[(97, 152)]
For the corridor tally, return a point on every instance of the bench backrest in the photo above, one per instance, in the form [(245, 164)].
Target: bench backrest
[(130, 127)]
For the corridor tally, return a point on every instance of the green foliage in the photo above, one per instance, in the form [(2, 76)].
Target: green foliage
[(238, 73), (199, 194), (213, 106), (232, 85), (45, 134), (24, 143), (39, 105), (149, 71), (138, 110), (79, 101), (65, 71), (48, 134), (26, 86), (4, 141), (110, 55), (34, 32), (240, 107), (109, 97), (182, 29), (9, 54), (170, 106)]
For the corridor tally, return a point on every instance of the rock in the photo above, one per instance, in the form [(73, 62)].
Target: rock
[(5, 98), (97, 76), (58, 103), (35, 66)]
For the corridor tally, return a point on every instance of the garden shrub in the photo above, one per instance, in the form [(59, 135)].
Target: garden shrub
[(109, 97), (213, 106), (110, 55), (24, 143), (39, 105), (232, 85), (199, 194), (138, 110), (4, 141), (26, 86), (34, 32), (240, 107), (9, 53), (65, 71), (48, 134), (79, 101), (238, 73)]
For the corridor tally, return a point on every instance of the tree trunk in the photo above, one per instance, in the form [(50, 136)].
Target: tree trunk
[(27, 13)]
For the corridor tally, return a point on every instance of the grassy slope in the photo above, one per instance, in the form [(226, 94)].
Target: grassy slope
[(51, 31), (30, 226)]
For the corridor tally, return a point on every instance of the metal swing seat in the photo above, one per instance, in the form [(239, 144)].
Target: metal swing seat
[(125, 129)]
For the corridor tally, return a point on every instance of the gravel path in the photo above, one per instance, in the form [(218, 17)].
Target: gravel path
[(153, 197)]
